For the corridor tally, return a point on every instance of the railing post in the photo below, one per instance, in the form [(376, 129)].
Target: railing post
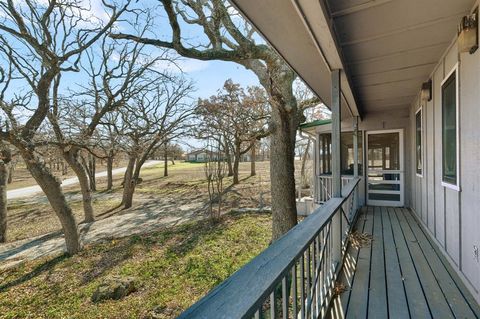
[(316, 161), (336, 165), (336, 129)]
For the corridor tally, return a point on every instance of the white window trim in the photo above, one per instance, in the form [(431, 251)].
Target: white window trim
[(420, 109), (455, 187)]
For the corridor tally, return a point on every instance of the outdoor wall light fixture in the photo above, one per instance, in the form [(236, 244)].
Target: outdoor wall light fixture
[(468, 34), (426, 94)]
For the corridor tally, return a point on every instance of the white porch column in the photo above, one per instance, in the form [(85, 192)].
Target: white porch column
[(336, 129)]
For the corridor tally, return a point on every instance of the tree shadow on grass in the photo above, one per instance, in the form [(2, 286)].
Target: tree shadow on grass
[(109, 259), (190, 235), (41, 268), (29, 244), (110, 212)]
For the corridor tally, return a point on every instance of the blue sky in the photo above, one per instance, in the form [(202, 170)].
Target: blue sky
[(209, 76)]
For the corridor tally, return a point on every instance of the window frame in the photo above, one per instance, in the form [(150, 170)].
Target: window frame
[(325, 159), (419, 110), (456, 186)]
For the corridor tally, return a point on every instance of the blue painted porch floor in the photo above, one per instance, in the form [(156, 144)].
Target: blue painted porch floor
[(398, 272)]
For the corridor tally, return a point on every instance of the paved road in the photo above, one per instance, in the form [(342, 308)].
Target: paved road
[(27, 191)]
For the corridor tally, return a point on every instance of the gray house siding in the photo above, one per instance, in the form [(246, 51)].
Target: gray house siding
[(452, 217), (439, 189), (470, 164)]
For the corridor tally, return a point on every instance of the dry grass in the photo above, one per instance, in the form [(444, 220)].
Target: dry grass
[(172, 268), (22, 177), (33, 216), (360, 240), (339, 289)]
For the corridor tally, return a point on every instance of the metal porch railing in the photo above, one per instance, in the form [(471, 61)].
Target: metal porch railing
[(323, 187), (295, 276)]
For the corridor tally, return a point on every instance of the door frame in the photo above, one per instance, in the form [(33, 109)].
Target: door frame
[(401, 202)]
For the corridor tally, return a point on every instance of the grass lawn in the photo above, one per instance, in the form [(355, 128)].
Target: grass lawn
[(173, 268)]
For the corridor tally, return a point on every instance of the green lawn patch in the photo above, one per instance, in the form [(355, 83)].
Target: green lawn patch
[(173, 268)]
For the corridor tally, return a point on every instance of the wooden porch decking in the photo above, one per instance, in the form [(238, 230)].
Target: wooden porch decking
[(400, 274)]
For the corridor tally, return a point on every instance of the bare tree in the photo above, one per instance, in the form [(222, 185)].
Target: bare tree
[(215, 174), (236, 117), (155, 116), (108, 144), (234, 40), (115, 79), (41, 40)]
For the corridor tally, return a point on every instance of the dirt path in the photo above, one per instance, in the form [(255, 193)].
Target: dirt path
[(152, 215), (31, 190)]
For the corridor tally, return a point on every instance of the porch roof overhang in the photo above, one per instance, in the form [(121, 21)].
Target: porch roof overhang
[(386, 48)]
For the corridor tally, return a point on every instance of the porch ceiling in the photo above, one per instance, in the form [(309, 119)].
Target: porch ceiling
[(391, 46), (387, 47)]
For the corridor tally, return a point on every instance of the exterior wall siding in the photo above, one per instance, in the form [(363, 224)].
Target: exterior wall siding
[(469, 165), (439, 189), (452, 217)]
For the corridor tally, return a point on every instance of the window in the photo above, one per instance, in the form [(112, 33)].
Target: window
[(418, 141), (346, 153), (449, 130)]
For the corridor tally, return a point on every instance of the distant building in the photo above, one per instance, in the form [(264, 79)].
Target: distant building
[(202, 156)]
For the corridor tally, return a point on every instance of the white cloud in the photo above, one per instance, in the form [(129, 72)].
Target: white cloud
[(185, 65)]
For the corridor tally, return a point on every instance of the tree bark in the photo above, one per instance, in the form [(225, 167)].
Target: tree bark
[(5, 166), (109, 172), (228, 157), (92, 167), (53, 190), (72, 158), (11, 171), (129, 183), (236, 165), (253, 159), (165, 159), (282, 160)]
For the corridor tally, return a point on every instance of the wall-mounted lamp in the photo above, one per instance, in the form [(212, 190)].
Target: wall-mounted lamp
[(468, 33), (426, 94)]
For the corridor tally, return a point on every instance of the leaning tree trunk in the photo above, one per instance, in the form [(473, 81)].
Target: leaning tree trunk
[(129, 183), (4, 175), (72, 158), (253, 159), (53, 190), (109, 172)]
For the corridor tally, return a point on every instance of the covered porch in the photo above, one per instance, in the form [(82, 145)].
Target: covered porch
[(398, 272), (374, 63)]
